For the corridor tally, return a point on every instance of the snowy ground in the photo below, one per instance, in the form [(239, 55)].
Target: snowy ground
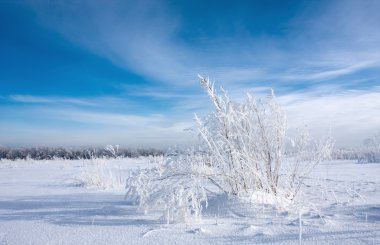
[(47, 202)]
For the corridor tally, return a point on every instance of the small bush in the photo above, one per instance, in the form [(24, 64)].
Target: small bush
[(98, 174), (371, 150), (241, 153)]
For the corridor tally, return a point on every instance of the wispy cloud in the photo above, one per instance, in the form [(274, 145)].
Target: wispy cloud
[(147, 42), (75, 127), (50, 100), (98, 101), (352, 115), (330, 73)]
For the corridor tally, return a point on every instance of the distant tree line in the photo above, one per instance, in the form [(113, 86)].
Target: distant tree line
[(368, 153), (346, 154), (361, 155), (48, 153)]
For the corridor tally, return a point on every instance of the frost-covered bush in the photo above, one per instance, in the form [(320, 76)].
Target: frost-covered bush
[(97, 173), (174, 186), (100, 176), (241, 153), (247, 142), (371, 150)]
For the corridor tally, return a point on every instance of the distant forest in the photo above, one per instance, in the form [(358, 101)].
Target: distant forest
[(48, 153)]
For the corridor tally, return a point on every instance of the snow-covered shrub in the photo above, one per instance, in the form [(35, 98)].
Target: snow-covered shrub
[(241, 153), (371, 150), (113, 150), (247, 141), (175, 186), (97, 173)]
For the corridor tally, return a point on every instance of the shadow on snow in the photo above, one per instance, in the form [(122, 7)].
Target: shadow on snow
[(84, 209)]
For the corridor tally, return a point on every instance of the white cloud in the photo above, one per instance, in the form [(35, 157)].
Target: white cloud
[(78, 127), (352, 115), (331, 72), (50, 100), (94, 101), (324, 42)]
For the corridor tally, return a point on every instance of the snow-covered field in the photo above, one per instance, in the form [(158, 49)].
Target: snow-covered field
[(79, 202)]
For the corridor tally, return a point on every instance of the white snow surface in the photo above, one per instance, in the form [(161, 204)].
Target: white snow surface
[(47, 202)]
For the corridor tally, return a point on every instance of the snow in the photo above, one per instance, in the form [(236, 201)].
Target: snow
[(47, 202)]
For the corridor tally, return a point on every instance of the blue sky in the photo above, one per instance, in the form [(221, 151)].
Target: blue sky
[(80, 73)]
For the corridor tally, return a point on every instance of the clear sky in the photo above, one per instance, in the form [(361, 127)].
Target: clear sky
[(90, 73)]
